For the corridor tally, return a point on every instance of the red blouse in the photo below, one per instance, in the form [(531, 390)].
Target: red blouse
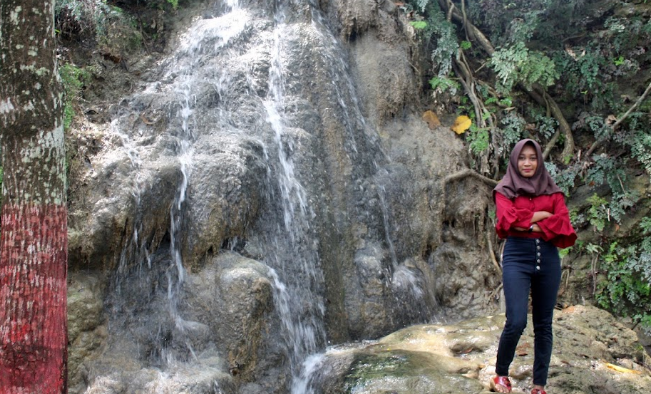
[(518, 212)]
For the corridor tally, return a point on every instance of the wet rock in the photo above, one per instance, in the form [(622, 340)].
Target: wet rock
[(460, 358), (86, 326)]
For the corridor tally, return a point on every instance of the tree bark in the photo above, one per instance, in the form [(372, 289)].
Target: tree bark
[(33, 239)]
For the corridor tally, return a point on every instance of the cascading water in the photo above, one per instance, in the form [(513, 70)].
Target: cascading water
[(136, 276), (233, 76), (301, 307)]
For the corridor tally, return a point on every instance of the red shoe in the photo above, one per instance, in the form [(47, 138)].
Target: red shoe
[(538, 391), (504, 382)]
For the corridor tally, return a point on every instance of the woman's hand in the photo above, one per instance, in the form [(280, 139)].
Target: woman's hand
[(540, 215)]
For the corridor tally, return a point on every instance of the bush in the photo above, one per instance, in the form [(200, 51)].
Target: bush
[(107, 26)]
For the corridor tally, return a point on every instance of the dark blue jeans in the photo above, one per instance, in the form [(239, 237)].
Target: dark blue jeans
[(529, 265)]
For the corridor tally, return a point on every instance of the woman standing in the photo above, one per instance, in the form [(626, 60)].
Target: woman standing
[(532, 216)]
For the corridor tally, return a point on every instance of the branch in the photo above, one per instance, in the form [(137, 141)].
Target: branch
[(543, 98), (492, 253), (619, 121), (474, 32), (557, 134), (468, 81), (465, 18), (456, 176), (468, 172)]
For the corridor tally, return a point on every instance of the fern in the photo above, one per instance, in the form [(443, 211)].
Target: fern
[(442, 84), (516, 64), (478, 139), (421, 4), (513, 126), (627, 288)]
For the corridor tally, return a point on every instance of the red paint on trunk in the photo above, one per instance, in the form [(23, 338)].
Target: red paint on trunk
[(33, 313)]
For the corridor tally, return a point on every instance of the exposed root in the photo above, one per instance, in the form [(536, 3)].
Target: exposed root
[(492, 253), (637, 103)]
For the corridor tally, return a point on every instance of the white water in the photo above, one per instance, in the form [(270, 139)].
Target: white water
[(184, 83), (304, 328), (292, 248)]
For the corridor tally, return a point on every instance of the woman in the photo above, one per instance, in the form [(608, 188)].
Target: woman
[(532, 216)]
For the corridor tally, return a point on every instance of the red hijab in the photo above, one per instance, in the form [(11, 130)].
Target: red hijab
[(513, 184)]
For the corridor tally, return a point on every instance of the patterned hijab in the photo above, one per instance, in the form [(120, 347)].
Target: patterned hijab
[(513, 184)]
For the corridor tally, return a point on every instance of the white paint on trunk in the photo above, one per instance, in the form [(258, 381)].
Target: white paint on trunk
[(28, 107), (13, 15), (6, 106)]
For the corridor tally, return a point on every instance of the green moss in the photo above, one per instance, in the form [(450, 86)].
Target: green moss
[(73, 79)]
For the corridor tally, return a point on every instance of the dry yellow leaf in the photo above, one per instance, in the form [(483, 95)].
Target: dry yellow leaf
[(461, 124), (431, 119), (621, 369)]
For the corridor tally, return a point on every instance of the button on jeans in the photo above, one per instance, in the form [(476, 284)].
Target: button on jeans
[(529, 265)]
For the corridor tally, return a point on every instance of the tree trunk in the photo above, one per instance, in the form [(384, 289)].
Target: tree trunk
[(33, 239)]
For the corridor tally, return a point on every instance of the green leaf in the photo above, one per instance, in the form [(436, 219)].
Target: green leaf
[(419, 25)]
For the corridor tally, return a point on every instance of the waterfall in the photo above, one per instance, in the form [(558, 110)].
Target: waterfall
[(233, 76), (300, 307), (159, 280)]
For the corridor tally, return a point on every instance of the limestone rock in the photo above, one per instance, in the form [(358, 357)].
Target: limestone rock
[(460, 358)]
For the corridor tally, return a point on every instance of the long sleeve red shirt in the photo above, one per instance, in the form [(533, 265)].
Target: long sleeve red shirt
[(518, 212)]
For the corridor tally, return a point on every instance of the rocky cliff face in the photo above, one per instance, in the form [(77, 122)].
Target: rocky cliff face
[(268, 188)]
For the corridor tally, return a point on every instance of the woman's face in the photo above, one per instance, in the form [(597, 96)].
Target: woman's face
[(527, 161)]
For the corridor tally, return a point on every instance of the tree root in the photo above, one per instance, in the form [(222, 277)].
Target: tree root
[(637, 103), (456, 176), (468, 172), (542, 97), (495, 292), (492, 253)]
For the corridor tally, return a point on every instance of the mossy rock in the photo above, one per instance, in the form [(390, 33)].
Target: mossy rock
[(401, 371)]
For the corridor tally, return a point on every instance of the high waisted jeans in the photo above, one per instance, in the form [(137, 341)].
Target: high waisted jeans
[(529, 265)]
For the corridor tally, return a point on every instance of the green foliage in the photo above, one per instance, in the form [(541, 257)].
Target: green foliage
[(440, 33), (422, 4), (610, 171), (446, 45), (418, 25), (478, 139), (565, 179), (598, 212), (546, 125), (512, 128), (465, 45), (442, 84), (638, 139), (564, 252), (73, 79), (174, 3), (626, 289), (96, 20), (517, 64)]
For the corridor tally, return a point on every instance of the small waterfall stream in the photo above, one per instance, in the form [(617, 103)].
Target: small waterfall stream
[(136, 275), (298, 290)]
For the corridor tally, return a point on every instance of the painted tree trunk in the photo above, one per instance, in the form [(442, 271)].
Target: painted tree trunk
[(33, 240)]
